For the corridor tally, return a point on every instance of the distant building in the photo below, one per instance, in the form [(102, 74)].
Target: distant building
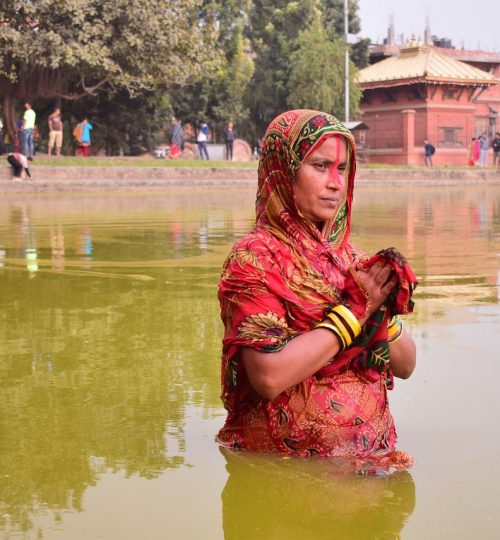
[(417, 92)]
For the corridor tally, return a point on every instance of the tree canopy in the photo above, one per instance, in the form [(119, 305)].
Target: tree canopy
[(317, 73), (220, 97), (218, 60), (70, 48)]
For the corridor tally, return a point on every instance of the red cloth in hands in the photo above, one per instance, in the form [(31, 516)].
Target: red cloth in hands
[(399, 301), (369, 354)]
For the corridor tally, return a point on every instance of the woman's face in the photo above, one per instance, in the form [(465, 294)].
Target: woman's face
[(320, 181)]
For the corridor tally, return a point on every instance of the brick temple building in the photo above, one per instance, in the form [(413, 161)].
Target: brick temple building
[(419, 92)]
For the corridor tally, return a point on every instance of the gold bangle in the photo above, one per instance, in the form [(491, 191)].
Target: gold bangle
[(335, 330), (349, 318), (340, 324), (332, 328), (393, 321), (394, 330), (397, 338)]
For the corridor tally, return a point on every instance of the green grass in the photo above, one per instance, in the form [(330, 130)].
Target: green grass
[(95, 161), (72, 161), (387, 166)]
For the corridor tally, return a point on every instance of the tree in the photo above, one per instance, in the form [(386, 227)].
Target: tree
[(232, 82), (72, 48), (335, 28), (218, 96), (360, 54), (131, 126), (333, 11), (317, 73), (274, 28)]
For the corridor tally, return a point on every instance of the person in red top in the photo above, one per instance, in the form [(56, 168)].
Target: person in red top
[(312, 335)]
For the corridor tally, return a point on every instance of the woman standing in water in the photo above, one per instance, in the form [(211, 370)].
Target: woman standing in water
[(312, 334)]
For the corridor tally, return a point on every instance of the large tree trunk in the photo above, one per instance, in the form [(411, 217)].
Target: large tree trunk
[(9, 114), (31, 83)]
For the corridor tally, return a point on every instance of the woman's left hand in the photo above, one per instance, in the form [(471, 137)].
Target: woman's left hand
[(373, 287)]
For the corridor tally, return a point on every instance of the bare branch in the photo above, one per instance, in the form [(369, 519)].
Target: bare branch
[(87, 90)]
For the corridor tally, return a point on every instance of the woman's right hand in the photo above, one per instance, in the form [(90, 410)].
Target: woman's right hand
[(369, 290)]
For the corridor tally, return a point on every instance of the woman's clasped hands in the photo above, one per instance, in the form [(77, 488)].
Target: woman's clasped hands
[(366, 289)]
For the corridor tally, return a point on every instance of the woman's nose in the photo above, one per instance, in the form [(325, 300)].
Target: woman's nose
[(335, 178)]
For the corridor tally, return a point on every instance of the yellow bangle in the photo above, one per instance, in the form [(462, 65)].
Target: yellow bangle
[(394, 328), (397, 338), (349, 318), (335, 330), (393, 321), (344, 329), (342, 322)]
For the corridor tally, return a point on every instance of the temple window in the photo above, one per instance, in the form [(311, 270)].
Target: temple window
[(450, 136)]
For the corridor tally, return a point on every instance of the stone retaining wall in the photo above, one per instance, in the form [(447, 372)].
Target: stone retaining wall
[(131, 178)]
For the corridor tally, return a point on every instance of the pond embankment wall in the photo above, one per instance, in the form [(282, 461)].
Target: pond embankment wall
[(132, 178)]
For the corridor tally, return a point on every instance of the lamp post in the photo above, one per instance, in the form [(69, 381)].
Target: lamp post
[(346, 35)]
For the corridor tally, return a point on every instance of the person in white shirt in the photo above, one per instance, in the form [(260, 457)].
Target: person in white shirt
[(201, 140)]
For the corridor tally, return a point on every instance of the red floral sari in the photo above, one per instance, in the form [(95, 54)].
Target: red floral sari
[(277, 283)]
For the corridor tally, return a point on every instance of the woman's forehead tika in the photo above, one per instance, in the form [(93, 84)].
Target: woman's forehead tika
[(321, 154)]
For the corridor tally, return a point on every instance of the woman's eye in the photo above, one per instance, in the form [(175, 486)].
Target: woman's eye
[(321, 166)]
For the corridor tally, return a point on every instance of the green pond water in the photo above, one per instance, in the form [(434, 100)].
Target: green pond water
[(109, 374)]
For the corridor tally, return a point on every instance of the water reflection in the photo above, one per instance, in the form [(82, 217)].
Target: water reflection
[(451, 236), (57, 246), (85, 248), (291, 499), (98, 367), (118, 338)]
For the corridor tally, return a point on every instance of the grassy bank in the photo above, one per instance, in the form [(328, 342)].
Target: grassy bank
[(95, 161), (102, 161)]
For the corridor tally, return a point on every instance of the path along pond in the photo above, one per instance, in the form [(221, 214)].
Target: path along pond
[(109, 373)]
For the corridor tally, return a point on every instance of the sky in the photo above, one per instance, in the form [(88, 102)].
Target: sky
[(471, 25)]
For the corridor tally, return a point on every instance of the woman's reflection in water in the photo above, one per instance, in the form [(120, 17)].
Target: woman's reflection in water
[(284, 499)]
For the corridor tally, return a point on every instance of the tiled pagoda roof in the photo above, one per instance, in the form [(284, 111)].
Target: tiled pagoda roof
[(419, 64)]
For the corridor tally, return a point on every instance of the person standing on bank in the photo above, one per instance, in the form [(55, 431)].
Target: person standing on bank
[(496, 150), (229, 137), (55, 132), (82, 136), (470, 152), (312, 335), (177, 133), (27, 140), (429, 151), (476, 152), (483, 150), (201, 140)]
